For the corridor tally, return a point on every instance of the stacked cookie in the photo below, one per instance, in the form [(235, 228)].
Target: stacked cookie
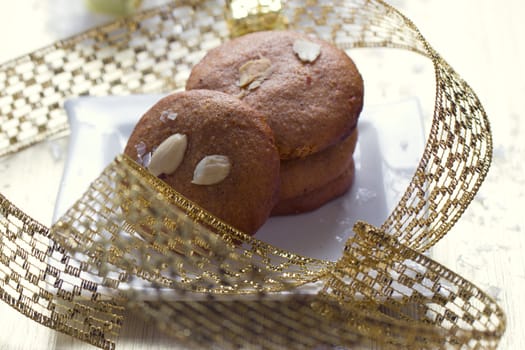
[(267, 126), (311, 94), (214, 150)]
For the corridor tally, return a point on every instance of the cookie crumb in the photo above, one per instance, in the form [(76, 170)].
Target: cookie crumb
[(168, 115), (141, 149), (146, 159)]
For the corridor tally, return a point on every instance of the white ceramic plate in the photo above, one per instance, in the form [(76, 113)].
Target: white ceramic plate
[(391, 142)]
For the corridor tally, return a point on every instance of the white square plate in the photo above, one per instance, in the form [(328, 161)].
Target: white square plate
[(391, 142)]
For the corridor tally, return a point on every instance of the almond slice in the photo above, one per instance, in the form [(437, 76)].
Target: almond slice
[(254, 70), (307, 51), (168, 155), (211, 170)]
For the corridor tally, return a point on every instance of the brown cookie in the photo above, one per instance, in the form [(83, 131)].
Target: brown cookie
[(310, 91), (213, 149), (318, 197), (302, 175)]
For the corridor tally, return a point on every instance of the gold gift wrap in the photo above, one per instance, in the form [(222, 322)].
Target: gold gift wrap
[(129, 229)]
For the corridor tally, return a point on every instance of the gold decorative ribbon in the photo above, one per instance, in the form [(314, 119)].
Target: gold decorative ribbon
[(131, 242)]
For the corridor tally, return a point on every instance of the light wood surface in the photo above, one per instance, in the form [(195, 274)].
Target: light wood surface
[(484, 40)]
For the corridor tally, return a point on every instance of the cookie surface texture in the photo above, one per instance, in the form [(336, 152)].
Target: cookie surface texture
[(310, 91), (229, 163), (302, 175), (318, 197)]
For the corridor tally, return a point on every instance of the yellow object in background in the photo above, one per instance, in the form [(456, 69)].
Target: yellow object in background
[(245, 16), (114, 7)]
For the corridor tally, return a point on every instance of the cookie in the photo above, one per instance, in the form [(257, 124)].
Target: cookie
[(317, 197), (302, 175), (310, 91), (213, 149)]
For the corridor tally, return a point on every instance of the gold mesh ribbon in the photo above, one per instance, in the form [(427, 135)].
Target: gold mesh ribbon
[(130, 242)]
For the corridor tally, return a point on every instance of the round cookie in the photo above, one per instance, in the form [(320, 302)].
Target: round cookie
[(317, 197), (213, 149), (302, 175), (310, 91)]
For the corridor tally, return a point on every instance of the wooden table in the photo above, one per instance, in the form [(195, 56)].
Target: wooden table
[(484, 40)]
